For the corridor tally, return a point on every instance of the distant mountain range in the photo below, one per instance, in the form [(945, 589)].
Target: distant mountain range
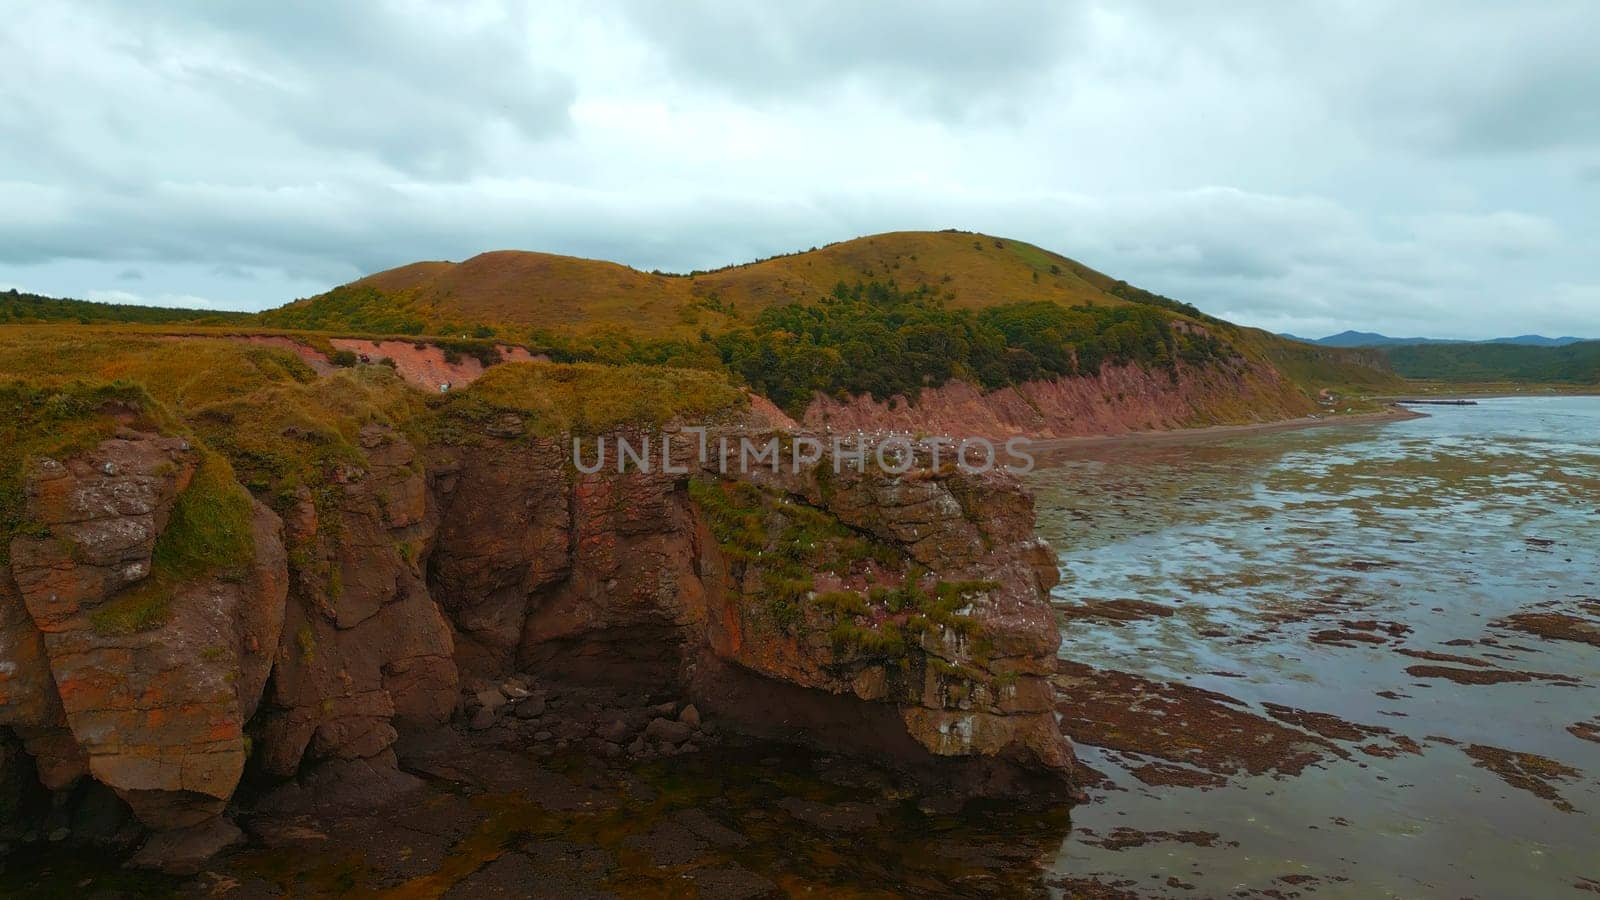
[(1373, 339)]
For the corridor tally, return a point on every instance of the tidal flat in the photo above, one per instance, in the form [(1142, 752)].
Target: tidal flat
[(1344, 661)]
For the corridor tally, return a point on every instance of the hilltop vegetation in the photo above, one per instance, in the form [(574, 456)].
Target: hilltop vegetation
[(1570, 364), (17, 307), (877, 340), (510, 293)]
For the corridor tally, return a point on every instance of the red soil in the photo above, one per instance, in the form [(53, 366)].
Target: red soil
[(426, 366), (318, 362)]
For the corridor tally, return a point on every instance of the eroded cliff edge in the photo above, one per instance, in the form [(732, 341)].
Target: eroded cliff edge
[(166, 634)]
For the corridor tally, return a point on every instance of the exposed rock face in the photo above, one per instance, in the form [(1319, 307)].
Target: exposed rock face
[(1119, 400), (505, 536), (618, 577), (157, 715), (364, 648), (912, 626), (966, 684)]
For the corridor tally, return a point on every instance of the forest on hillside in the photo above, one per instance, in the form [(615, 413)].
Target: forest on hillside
[(1571, 364), (18, 307), (874, 338)]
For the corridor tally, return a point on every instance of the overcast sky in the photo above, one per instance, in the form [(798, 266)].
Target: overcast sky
[(1408, 167)]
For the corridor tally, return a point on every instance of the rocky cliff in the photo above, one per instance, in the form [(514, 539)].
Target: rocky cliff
[(1117, 400), (142, 682)]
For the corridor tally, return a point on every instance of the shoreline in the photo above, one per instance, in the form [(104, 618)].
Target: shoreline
[(1208, 432), (1492, 395)]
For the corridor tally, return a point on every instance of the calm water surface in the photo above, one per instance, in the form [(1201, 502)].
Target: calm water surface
[(1435, 529)]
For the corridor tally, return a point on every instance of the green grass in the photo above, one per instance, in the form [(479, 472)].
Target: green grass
[(181, 373), (352, 306), (586, 398), (209, 528), (292, 436)]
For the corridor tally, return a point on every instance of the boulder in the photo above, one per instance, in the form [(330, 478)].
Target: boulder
[(184, 851), (668, 731)]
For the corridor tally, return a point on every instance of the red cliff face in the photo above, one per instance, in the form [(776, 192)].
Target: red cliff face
[(901, 616), (1119, 400), (156, 715)]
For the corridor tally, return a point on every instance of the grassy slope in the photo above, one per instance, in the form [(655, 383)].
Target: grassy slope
[(1343, 369)]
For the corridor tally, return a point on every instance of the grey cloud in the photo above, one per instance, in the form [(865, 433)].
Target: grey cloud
[(1395, 167), (948, 57), (1451, 77), (424, 93)]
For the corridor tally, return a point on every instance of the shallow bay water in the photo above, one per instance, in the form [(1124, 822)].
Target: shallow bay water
[(1309, 570)]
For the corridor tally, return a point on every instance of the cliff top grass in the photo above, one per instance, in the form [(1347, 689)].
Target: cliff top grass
[(180, 372), (55, 420), (209, 528), (588, 398), (292, 435)]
